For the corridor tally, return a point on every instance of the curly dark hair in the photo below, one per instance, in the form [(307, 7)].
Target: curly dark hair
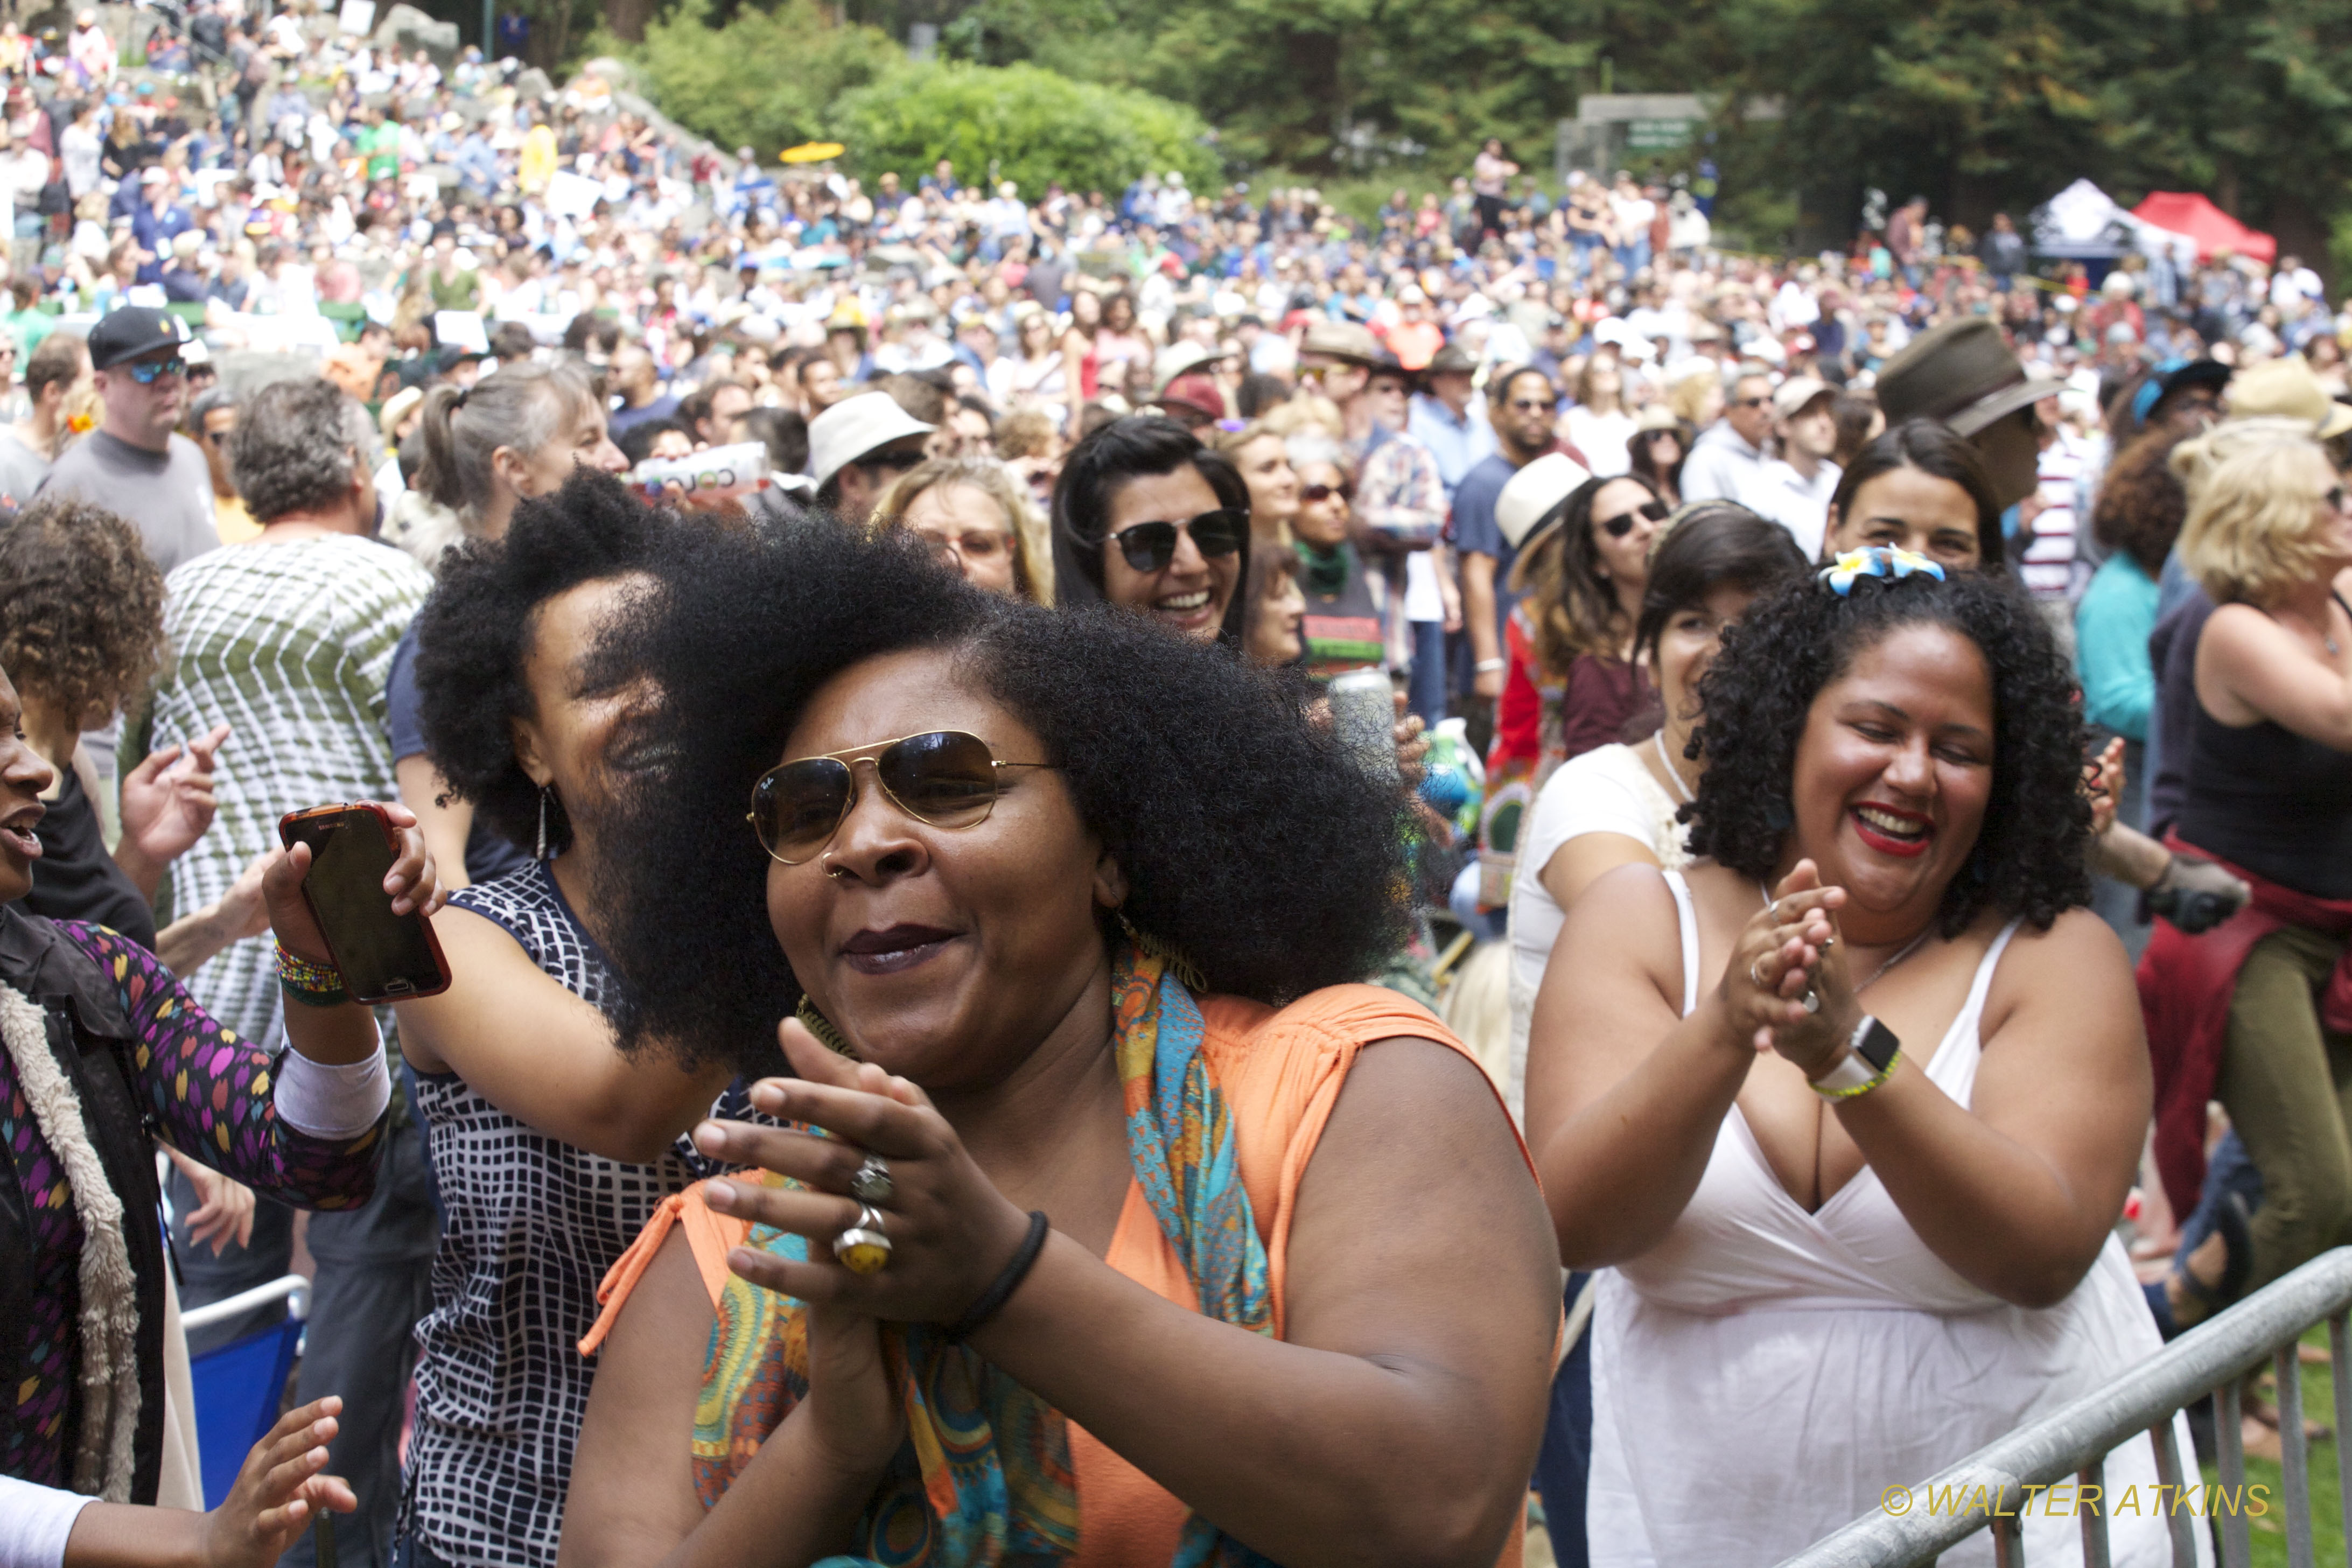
[(2142, 502), (1248, 840), (2028, 858), (81, 623), (474, 633)]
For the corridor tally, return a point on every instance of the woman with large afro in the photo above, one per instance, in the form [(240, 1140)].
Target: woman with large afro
[(1116, 1225)]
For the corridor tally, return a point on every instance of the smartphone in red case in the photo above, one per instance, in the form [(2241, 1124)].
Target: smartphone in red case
[(384, 957)]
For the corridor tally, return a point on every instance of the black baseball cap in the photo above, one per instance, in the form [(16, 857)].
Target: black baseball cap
[(133, 330)]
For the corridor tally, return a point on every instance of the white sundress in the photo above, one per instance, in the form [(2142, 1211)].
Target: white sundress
[(1763, 1374)]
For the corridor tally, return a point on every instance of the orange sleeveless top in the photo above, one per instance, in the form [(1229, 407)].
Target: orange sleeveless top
[(1281, 1073)]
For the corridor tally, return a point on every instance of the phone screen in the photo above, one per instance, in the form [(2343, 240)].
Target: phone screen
[(383, 955)]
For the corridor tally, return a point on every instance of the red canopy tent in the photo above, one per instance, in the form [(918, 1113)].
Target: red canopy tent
[(2185, 212)]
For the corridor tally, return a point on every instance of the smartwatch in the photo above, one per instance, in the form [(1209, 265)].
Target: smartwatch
[(1871, 1053)]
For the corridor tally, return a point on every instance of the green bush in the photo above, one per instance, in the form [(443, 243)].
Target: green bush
[(1029, 125), (767, 79)]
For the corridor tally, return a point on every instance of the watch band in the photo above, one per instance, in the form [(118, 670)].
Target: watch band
[(1868, 1061)]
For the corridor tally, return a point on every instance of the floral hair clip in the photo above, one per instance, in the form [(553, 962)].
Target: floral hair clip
[(1887, 561)]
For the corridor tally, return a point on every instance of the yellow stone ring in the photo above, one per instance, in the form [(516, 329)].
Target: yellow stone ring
[(862, 1248)]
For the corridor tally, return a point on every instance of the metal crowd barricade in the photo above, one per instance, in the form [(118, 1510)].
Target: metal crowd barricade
[(2070, 1446)]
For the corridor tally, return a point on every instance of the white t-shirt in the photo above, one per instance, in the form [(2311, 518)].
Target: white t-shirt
[(1782, 494), (1606, 790), (1602, 439)]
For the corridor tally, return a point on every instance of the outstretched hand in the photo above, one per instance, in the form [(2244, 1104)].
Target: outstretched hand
[(410, 884), (167, 800), (277, 1492)]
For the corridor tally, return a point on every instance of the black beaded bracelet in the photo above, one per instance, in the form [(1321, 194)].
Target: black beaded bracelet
[(991, 1300)]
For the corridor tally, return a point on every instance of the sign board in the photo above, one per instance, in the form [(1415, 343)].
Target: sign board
[(1657, 135), (462, 330), (356, 19), (571, 195)]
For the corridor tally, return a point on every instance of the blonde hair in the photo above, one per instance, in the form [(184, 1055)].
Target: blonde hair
[(2249, 537), (1033, 555), (1687, 396), (1310, 411), (1232, 441)]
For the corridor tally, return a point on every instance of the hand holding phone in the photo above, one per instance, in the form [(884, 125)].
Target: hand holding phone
[(354, 890)]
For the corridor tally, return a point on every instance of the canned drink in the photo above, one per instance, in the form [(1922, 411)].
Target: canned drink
[(708, 477), (1363, 713)]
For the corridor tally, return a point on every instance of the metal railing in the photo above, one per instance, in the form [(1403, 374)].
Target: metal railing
[(2071, 1445), (291, 1289)]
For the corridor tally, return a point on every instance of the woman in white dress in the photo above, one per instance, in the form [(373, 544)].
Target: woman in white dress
[(1616, 805), (1838, 1264)]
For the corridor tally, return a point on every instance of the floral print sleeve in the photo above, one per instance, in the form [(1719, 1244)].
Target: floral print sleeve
[(213, 1095)]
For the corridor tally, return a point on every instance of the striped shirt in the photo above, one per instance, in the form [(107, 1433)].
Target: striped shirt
[(290, 646)]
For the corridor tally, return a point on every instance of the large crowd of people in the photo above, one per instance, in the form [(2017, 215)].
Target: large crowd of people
[(1867, 718)]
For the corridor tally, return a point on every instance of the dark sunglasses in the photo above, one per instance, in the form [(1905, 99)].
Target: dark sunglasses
[(1621, 525), (147, 371), (1150, 546), (946, 778), (1325, 492), (1749, 402), (895, 462), (1530, 404)]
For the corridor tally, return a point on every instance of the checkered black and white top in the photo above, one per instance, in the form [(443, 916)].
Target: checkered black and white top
[(529, 1227)]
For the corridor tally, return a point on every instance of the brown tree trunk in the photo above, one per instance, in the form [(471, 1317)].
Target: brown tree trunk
[(628, 18), (1313, 60)]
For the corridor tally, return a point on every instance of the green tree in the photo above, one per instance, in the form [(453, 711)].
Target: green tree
[(1333, 86), (1025, 123), (767, 79)]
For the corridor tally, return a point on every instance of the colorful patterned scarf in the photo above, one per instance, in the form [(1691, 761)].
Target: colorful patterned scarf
[(986, 1473)]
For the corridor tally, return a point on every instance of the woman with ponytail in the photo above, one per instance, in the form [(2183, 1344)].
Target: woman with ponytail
[(517, 433)]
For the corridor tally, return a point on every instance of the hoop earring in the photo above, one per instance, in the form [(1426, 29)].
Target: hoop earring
[(544, 791)]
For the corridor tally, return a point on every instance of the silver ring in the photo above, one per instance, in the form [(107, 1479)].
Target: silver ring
[(872, 1183), (1754, 978), (1813, 1000)]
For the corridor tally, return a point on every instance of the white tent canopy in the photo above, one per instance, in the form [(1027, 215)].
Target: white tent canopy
[(2083, 222)]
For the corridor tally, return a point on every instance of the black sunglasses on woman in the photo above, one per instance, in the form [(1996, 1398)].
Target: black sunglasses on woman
[(1150, 546)]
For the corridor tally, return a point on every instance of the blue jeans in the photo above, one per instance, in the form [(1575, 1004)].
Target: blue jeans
[(1426, 688), (1564, 1463)]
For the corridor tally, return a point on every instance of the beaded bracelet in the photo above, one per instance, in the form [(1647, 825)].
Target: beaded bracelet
[(312, 984)]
